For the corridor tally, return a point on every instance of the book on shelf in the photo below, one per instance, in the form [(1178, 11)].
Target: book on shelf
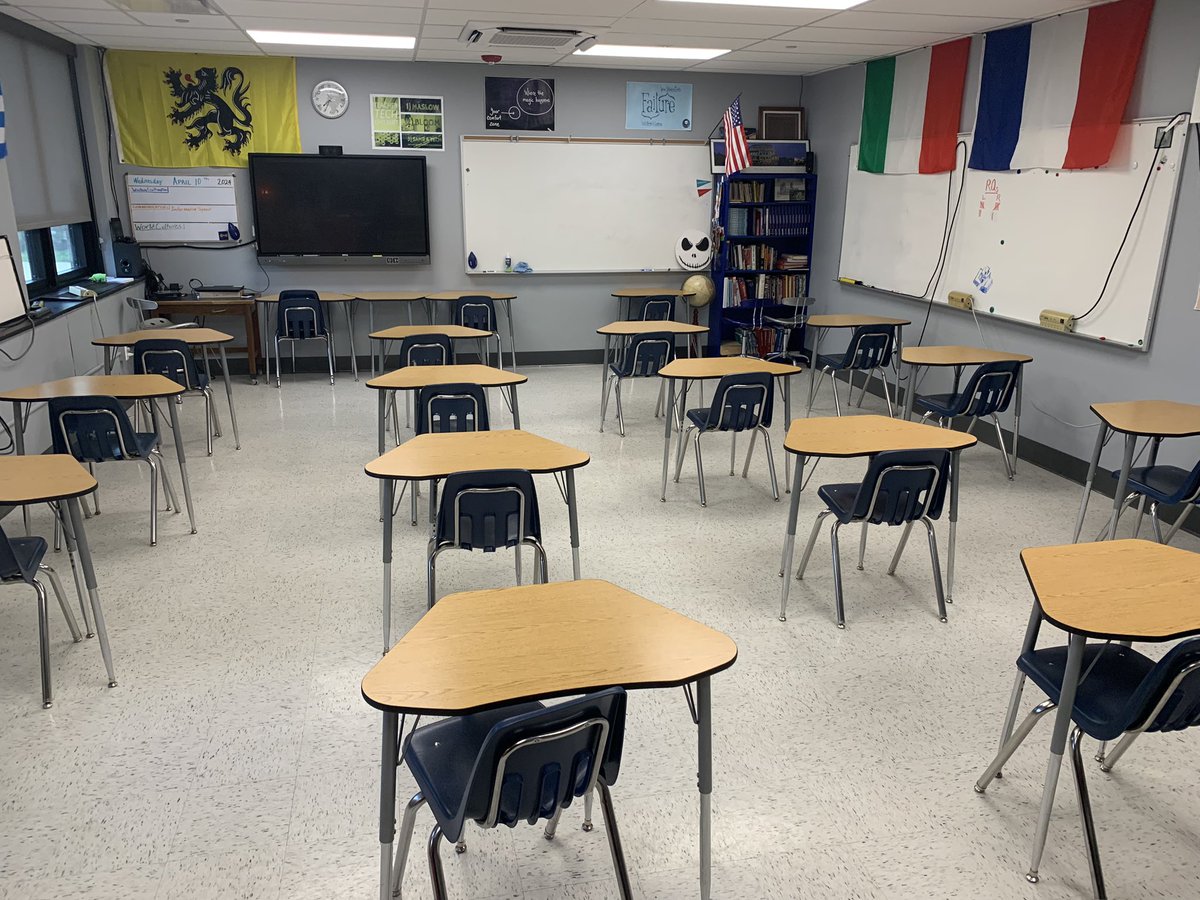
[(770, 288)]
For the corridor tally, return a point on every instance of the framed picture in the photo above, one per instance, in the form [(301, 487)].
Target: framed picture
[(781, 123)]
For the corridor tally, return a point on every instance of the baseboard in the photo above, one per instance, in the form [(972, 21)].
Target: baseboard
[(317, 364)]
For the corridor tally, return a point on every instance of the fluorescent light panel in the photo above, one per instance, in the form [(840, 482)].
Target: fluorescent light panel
[(327, 39), (635, 52), (787, 4)]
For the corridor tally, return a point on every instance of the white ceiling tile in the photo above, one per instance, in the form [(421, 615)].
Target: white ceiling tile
[(171, 20), (310, 13), (346, 25), (827, 48), (22, 14), (181, 33), (514, 8), (511, 56), (759, 68), (642, 26), (713, 12), (460, 18), (75, 4), (823, 59), (863, 36), (1017, 9), (915, 22), (670, 40), (71, 15)]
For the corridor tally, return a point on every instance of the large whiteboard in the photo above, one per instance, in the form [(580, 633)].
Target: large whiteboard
[(168, 209), (1034, 239), (581, 205)]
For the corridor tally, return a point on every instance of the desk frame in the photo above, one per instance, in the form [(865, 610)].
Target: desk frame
[(819, 330), (206, 308)]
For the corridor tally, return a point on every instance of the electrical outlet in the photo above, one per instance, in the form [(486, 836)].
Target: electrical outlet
[(961, 300), (1162, 138), (1057, 321)]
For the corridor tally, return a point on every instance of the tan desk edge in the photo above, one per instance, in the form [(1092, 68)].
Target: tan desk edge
[(850, 436), (1150, 418), (123, 387), (323, 296), (634, 327), (475, 451), (705, 367), (451, 296), (421, 376), (389, 296), (197, 336), (36, 479), (955, 355), (638, 293), (399, 332), (851, 320)]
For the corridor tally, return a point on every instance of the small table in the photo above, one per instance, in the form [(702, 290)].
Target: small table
[(408, 298), (708, 369), (228, 305), (413, 378), (193, 337), (628, 329), (59, 479), (506, 299), (626, 296), (345, 301), (589, 635), (850, 436), (453, 332), (434, 456), (122, 387), (821, 323), (1119, 590), (958, 357), (1154, 419)]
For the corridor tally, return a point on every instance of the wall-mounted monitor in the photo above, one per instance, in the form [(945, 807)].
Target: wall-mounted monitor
[(312, 208)]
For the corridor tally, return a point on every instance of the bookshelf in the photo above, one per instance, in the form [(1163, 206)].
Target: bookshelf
[(765, 223)]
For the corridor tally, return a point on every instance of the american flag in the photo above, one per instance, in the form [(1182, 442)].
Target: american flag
[(737, 151)]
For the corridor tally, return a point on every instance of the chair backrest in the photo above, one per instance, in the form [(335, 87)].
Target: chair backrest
[(1168, 699), (167, 357), (451, 407), (741, 402), (92, 429), (658, 309), (475, 312), (426, 350), (990, 389), (299, 315), (646, 354), (488, 510), (870, 347), (531, 764), (141, 305), (902, 486), (10, 569)]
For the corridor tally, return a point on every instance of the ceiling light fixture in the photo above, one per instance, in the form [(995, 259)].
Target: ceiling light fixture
[(635, 52), (787, 4), (325, 39)]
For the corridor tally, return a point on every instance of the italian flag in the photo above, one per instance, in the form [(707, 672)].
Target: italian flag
[(911, 110)]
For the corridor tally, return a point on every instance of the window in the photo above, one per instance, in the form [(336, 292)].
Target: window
[(55, 257), (70, 258), (31, 258)]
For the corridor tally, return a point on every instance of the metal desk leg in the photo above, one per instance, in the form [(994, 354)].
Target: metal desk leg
[(387, 801), (1122, 484), (573, 512), (1017, 418), (387, 493), (704, 771), (237, 441), (787, 423), (789, 539), (955, 458), (516, 413), (108, 360), (910, 395), (604, 377), (1101, 434), (19, 444), (812, 370), (512, 336), (899, 351), (79, 538), (1058, 744), (371, 331), (350, 331), (183, 473), (667, 420)]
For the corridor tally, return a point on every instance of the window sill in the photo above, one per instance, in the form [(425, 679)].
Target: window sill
[(59, 302)]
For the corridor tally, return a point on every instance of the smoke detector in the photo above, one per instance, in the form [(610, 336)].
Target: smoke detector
[(513, 36)]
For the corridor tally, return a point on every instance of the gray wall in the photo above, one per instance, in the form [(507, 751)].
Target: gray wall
[(554, 312), (1067, 374)]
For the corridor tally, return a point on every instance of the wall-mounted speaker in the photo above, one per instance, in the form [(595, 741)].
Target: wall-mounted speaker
[(127, 259)]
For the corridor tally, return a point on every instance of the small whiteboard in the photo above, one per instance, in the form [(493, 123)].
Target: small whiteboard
[(168, 209), (12, 300)]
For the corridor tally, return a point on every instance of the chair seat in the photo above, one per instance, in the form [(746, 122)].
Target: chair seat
[(940, 404), (1163, 484), (442, 759), (29, 552), (832, 361), (1112, 674)]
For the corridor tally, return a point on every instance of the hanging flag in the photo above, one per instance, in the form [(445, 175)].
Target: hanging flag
[(911, 110), (3, 146), (702, 187), (737, 151), (200, 109), (1053, 93)]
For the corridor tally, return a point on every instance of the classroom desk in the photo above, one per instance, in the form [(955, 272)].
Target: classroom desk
[(193, 337), (707, 369), (413, 378), (122, 387), (427, 457), (346, 301), (590, 634), (232, 305), (626, 296), (845, 437), (60, 480), (505, 298), (628, 329), (822, 323), (400, 332), (1154, 419), (408, 298), (958, 357), (1119, 590)]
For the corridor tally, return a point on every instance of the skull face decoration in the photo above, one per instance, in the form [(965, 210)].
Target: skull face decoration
[(693, 250)]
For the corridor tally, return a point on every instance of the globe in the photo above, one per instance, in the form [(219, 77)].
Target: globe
[(702, 290)]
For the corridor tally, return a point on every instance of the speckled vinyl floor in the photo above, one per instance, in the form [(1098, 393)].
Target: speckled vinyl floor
[(237, 758)]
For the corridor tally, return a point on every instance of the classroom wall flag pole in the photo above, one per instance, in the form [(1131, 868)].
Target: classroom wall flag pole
[(737, 150)]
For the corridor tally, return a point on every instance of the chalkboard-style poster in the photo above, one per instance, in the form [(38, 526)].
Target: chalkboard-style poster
[(519, 104)]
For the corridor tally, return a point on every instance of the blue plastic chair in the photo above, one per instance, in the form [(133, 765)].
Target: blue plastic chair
[(173, 359), (740, 403), (417, 350), (642, 358), (1163, 485), (870, 351), (487, 511), (658, 309), (520, 763), (97, 429), (20, 562), (988, 393), (1121, 694), (901, 487), (299, 317), (449, 408), (479, 312)]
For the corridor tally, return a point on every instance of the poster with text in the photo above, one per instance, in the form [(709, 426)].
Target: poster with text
[(519, 104), (652, 106), (407, 123)]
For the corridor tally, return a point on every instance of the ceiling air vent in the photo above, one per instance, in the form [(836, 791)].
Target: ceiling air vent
[(544, 38)]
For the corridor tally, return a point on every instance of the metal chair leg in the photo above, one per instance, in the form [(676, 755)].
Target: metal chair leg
[(1014, 706), (587, 812), (96, 492), (208, 421), (539, 562), (614, 842), (620, 408), (812, 540), (887, 395), (1187, 508), (899, 548), (329, 353), (76, 634), (431, 578), (1085, 815), (293, 357), (172, 504), (44, 645), (839, 605), (216, 419), (837, 404), (1155, 523), (681, 451), (552, 824), (862, 395), (732, 451), (604, 400), (1108, 760), (750, 452), (1010, 746), (1003, 449), (153, 500), (659, 411), (436, 875), (700, 469), (406, 833), (770, 461), (278, 366), (937, 570), (862, 544)]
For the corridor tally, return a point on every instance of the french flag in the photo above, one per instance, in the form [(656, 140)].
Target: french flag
[(1053, 93)]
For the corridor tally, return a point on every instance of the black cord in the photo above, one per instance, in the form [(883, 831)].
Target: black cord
[(23, 353), (266, 275), (11, 446), (947, 233), (249, 243)]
